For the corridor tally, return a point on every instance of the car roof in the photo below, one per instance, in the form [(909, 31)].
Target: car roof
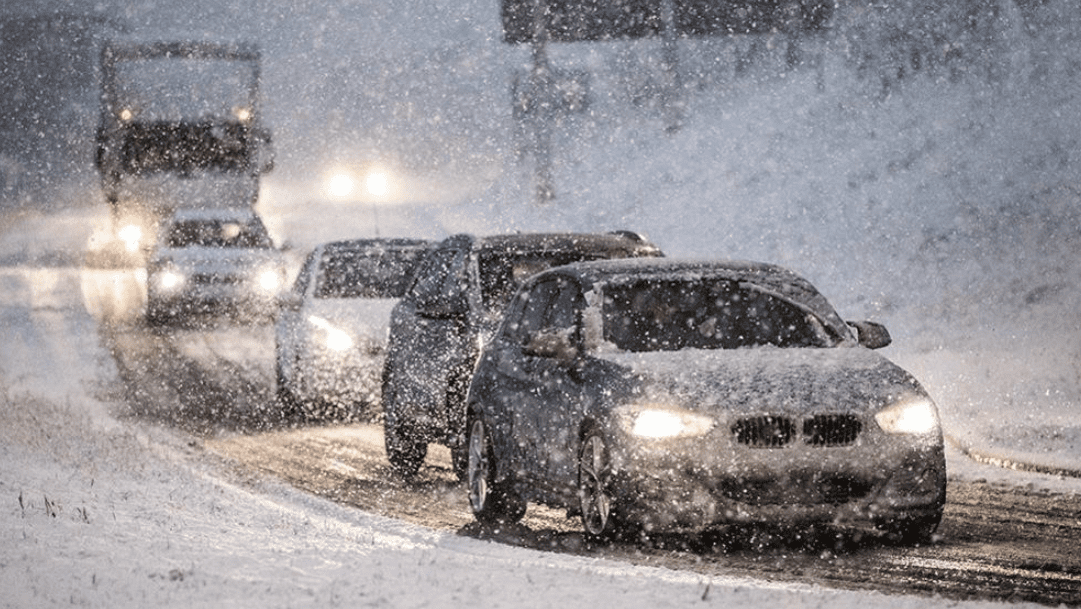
[(771, 277), (376, 243), (617, 241)]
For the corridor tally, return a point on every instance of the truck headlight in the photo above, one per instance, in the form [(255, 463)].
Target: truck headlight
[(913, 415)]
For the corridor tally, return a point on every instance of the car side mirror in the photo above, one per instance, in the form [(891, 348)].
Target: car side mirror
[(557, 345), (872, 335)]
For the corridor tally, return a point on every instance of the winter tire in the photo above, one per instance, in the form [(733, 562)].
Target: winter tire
[(492, 501), (594, 472)]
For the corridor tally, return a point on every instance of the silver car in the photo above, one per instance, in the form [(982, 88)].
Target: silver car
[(331, 331), (660, 395), (213, 261)]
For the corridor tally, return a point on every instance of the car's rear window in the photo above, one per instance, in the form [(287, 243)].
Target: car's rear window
[(366, 274), (669, 315)]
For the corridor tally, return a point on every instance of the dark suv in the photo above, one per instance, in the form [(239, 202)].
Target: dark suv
[(452, 308)]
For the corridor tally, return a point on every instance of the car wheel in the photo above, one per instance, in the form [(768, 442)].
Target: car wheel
[(492, 501), (594, 472), (911, 531)]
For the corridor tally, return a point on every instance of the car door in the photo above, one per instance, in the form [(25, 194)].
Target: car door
[(558, 413), (516, 384), (431, 333), (546, 391)]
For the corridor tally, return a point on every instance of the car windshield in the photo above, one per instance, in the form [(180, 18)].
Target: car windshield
[(217, 233), (669, 315), (366, 274)]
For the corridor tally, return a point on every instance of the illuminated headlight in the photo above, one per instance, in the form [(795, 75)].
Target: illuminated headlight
[(662, 422), (169, 279), (334, 338), (132, 236), (915, 415), (270, 280)]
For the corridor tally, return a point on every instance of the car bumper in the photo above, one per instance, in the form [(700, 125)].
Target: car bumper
[(696, 486), (212, 299), (344, 380)]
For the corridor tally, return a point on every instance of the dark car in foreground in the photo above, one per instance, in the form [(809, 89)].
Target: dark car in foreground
[(332, 326), (454, 304), (669, 396)]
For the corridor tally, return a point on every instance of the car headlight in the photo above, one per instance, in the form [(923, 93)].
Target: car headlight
[(270, 280), (132, 236), (660, 422), (914, 415), (169, 279), (334, 338)]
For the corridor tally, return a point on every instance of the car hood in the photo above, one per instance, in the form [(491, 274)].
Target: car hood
[(767, 379), (362, 316)]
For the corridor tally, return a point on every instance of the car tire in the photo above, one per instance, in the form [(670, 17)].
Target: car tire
[(594, 494), (405, 451), (492, 501)]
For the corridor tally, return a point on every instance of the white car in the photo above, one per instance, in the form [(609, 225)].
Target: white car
[(332, 327), (213, 261)]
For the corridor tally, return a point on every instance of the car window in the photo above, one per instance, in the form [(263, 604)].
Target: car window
[(502, 272), (549, 306), (365, 273), (441, 276), (217, 233), (668, 315), (531, 318)]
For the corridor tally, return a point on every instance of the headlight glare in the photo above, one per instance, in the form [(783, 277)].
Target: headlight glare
[(270, 280), (334, 338), (915, 415), (659, 422), (170, 279), (132, 236)]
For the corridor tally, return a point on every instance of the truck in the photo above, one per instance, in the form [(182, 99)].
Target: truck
[(180, 128)]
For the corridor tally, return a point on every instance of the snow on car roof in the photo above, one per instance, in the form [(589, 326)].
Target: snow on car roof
[(564, 241)]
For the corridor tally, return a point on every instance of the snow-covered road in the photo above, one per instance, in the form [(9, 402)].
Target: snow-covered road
[(107, 511)]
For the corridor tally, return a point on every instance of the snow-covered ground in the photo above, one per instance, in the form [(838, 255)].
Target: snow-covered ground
[(946, 207)]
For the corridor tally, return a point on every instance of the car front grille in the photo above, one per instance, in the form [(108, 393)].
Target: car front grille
[(823, 430), (764, 431), (216, 279)]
